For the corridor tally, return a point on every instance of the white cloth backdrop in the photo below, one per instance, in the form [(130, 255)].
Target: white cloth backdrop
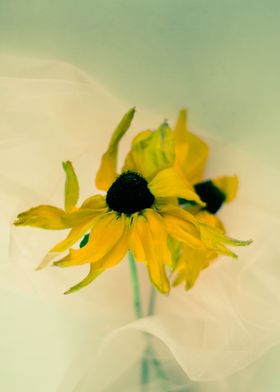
[(221, 336)]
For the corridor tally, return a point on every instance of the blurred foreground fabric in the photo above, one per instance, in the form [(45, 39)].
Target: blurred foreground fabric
[(223, 335)]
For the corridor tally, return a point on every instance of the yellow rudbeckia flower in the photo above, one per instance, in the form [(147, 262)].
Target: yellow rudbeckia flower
[(140, 213)]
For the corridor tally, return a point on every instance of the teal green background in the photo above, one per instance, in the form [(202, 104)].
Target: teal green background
[(219, 58)]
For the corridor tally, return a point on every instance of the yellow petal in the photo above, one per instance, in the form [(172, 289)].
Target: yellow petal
[(74, 236), (215, 239), (108, 168), (140, 140), (191, 151), (190, 265), (168, 183), (153, 236), (44, 217), (209, 219), (107, 231), (96, 202), (193, 261), (180, 213), (174, 248), (86, 281), (71, 190), (151, 151), (113, 257), (179, 224), (136, 233), (81, 216), (228, 185)]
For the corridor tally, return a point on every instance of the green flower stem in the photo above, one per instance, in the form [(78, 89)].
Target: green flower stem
[(138, 313), (152, 301), (149, 352), (135, 286), (145, 372)]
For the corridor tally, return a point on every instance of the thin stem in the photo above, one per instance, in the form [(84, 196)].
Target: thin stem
[(145, 371), (138, 313), (135, 286), (152, 301)]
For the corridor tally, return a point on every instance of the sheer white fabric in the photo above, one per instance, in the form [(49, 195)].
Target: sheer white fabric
[(209, 338)]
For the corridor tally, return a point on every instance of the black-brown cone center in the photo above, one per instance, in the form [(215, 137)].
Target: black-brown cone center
[(129, 194), (211, 195)]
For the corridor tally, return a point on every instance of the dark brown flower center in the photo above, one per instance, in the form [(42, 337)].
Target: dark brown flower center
[(211, 195), (129, 193)]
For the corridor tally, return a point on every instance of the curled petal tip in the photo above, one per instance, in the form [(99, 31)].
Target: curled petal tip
[(39, 268), (46, 260), (71, 290)]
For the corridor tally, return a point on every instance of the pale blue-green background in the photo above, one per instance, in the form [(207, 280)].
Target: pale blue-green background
[(220, 58)]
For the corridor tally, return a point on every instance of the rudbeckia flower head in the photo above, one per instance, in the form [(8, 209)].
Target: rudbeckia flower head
[(140, 211)]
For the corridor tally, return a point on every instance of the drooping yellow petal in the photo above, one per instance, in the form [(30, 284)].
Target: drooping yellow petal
[(178, 212), (190, 265), (193, 261), (107, 231), (74, 235), (175, 249), (215, 239), (71, 191), (169, 183), (113, 257), (136, 233), (153, 237), (107, 171), (86, 281), (191, 151), (44, 217), (179, 224), (228, 185), (151, 151)]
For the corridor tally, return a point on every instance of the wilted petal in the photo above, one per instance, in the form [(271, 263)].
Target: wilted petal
[(191, 263), (191, 151), (108, 168), (81, 216), (44, 217), (71, 191), (136, 233), (96, 202), (182, 226), (215, 239), (113, 257), (169, 183), (74, 235), (152, 233), (228, 185), (107, 231), (151, 151), (86, 281)]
